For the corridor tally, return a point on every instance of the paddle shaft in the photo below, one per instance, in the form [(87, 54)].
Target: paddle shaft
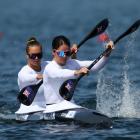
[(40, 83)]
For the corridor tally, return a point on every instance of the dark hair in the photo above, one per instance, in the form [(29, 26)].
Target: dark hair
[(60, 40), (31, 42)]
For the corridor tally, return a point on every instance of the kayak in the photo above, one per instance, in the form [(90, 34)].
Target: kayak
[(69, 112), (80, 116)]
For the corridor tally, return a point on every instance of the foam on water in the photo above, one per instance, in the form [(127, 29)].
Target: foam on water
[(7, 116)]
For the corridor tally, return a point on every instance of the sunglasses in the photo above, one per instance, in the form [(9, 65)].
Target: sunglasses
[(63, 54), (35, 55)]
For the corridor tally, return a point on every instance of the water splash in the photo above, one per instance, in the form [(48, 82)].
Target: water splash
[(107, 99), (114, 97), (128, 108)]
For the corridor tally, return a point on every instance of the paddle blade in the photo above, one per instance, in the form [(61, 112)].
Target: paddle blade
[(27, 94), (98, 29), (67, 89), (132, 29)]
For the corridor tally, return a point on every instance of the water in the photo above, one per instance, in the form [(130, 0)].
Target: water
[(114, 91)]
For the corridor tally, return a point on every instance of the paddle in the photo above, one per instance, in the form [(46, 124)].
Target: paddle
[(98, 29), (68, 87), (28, 93)]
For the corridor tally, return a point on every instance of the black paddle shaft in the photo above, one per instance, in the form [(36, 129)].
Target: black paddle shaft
[(68, 87)]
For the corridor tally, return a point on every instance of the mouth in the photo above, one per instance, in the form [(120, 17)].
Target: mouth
[(36, 61)]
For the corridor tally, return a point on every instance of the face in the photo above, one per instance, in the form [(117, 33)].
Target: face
[(61, 54), (34, 55)]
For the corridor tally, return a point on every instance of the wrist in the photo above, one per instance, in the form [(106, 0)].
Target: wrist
[(76, 73)]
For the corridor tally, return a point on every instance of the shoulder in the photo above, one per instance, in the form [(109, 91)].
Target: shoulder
[(25, 69), (49, 69), (52, 67), (50, 64)]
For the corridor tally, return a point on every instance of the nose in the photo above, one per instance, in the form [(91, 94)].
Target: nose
[(36, 58)]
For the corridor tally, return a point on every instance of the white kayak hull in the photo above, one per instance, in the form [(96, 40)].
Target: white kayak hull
[(66, 112), (80, 116)]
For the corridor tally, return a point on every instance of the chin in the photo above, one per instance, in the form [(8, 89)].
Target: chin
[(36, 63), (62, 63)]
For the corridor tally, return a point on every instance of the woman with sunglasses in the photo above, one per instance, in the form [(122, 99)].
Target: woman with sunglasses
[(32, 74), (62, 68)]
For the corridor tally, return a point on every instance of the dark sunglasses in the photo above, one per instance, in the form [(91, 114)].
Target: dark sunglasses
[(63, 54), (35, 55)]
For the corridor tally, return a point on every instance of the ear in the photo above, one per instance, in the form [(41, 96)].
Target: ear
[(27, 56), (53, 52)]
